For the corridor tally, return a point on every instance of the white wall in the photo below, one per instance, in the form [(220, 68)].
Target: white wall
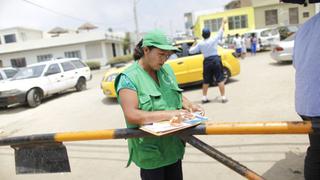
[(102, 49), (29, 35), (21, 34), (31, 56), (93, 50)]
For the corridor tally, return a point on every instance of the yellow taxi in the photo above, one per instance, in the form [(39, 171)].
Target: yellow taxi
[(187, 68)]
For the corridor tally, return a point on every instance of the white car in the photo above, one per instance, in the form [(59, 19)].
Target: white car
[(37, 81), (265, 38), (7, 73), (282, 51)]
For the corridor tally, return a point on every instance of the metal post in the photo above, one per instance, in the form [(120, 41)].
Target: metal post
[(135, 2), (222, 158)]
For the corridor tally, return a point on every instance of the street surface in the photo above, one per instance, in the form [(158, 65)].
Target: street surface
[(264, 91)]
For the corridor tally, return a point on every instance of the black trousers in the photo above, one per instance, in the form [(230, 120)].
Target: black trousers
[(170, 172), (312, 160)]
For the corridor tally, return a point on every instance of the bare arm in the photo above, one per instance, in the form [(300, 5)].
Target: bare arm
[(132, 113)]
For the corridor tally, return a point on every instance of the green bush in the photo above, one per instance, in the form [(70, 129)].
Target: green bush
[(120, 59), (93, 65)]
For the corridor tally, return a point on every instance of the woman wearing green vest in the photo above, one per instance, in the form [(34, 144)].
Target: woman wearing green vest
[(148, 92)]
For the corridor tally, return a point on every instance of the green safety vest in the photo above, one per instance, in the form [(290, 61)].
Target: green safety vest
[(154, 152)]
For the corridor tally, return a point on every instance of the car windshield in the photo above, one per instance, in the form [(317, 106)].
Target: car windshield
[(265, 33), (268, 32), (290, 38), (29, 72)]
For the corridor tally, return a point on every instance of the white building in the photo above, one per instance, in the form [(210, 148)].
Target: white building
[(22, 46)]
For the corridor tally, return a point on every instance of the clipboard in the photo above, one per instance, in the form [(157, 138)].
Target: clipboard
[(165, 127)]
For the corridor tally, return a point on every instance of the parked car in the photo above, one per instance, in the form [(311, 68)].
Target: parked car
[(282, 51), (187, 68), (286, 31), (265, 38), (7, 73), (37, 81)]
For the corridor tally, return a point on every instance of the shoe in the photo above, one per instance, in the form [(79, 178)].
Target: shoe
[(224, 99), (205, 101)]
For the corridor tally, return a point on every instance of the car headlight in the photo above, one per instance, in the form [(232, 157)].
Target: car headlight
[(112, 77), (9, 92)]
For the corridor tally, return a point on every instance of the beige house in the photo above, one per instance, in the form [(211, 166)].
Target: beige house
[(272, 13), (22, 46)]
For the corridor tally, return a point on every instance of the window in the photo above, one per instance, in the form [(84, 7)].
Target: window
[(73, 54), (53, 69), (213, 24), (46, 57), (238, 22), (30, 72), (294, 15), (1, 78), (10, 38), (305, 15), (78, 64), (10, 72), (114, 50), (18, 62), (271, 17), (1, 64), (67, 66)]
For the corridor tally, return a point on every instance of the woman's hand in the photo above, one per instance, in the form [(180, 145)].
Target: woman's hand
[(196, 108), (179, 116)]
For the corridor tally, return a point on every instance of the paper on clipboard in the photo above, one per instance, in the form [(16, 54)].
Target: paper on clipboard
[(165, 127)]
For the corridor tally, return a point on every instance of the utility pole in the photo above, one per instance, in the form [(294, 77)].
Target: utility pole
[(135, 2)]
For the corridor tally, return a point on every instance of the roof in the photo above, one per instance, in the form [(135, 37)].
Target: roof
[(63, 40), (19, 28)]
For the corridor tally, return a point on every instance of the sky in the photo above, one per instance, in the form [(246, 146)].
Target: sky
[(115, 14)]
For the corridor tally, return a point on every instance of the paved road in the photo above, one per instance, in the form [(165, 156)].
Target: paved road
[(263, 91)]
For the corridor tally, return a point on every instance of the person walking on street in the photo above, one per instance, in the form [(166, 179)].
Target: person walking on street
[(148, 92), (237, 42), (243, 47), (253, 41), (306, 61), (212, 65)]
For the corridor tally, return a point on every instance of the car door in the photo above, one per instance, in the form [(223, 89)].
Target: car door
[(70, 75), (187, 69), (54, 79)]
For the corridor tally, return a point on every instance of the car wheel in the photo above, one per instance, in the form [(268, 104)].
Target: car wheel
[(81, 84), (226, 74), (34, 98)]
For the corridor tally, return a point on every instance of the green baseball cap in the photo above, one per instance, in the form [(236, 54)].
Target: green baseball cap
[(158, 39)]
